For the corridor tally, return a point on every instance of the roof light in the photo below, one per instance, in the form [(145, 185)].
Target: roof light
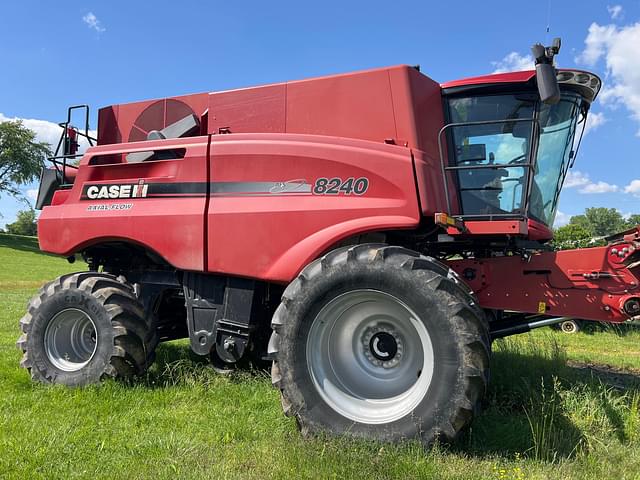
[(582, 79), (565, 76)]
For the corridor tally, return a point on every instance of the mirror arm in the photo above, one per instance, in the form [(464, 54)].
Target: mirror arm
[(545, 71)]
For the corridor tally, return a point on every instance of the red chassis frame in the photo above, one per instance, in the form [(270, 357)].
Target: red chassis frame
[(600, 283)]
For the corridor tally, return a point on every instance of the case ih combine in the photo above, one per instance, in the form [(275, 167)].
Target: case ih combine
[(370, 233)]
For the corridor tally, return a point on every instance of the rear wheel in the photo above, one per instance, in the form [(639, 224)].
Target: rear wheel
[(380, 342), (84, 327)]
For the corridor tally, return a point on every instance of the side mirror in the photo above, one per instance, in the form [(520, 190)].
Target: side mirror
[(546, 73)]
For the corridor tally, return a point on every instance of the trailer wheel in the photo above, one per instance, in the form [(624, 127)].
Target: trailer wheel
[(570, 326), (83, 327), (375, 341)]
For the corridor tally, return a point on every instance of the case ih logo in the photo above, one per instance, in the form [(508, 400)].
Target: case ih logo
[(113, 191)]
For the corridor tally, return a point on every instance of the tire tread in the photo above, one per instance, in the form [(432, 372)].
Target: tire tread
[(135, 335), (469, 320)]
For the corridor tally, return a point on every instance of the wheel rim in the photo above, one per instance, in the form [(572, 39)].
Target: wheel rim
[(70, 340), (370, 356), (568, 327)]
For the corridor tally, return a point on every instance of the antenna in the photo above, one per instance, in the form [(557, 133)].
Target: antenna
[(546, 37)]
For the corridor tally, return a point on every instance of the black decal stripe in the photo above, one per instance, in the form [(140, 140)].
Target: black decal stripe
[(199, 195), (199, 189), (177, 188)]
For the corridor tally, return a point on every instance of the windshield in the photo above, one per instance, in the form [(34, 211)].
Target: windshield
[(557, 129), (498, 140)]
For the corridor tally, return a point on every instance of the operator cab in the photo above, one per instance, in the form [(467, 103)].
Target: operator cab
[(509, 148), (498, 142)]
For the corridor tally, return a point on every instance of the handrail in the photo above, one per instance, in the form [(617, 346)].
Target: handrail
[(446, 168), (495, 166), (61, 166)]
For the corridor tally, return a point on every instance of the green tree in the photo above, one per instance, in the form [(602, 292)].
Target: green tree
[(633, 221), (25, 223), (571, 236), (20, 157), (600, 221)]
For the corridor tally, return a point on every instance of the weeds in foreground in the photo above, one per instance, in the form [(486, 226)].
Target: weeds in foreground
[(552, 433), (567, 414), (632, 420)]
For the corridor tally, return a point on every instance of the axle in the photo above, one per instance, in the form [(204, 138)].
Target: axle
[(520, 327)]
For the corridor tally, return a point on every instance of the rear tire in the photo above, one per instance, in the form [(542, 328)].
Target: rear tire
[(83, 327), (380, 342)]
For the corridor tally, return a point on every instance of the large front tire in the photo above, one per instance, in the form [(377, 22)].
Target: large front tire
[(380, 342), (83, 327)]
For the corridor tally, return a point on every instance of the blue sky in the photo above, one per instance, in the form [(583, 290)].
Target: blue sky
[(55, 54)]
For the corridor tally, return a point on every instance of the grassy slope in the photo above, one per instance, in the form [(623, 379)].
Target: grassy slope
[(544, 419)]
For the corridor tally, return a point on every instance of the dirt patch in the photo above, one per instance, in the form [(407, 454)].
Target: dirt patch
[(616, 377), (20, 284)]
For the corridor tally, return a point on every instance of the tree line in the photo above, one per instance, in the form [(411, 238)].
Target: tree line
[(590, 228), (21, 160)]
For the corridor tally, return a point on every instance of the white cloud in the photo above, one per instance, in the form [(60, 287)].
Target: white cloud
[(576, 178), (615, 11), (514, 62), (32, 193), (633, 188), (596, 43), (46, 131), (594, 121), (618, 48), (92, 22), (585, 185), (599, 187), (561, 219)]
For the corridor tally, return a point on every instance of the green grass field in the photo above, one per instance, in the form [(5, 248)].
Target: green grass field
[(559, 407)]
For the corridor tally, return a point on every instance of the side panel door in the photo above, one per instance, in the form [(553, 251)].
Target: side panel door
[(279, 200), (158, 203)]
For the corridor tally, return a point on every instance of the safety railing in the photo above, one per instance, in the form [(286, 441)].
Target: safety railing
[(447, 169), (68, 145)]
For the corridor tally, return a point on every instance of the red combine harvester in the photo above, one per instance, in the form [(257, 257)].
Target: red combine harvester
[(370, 233)]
